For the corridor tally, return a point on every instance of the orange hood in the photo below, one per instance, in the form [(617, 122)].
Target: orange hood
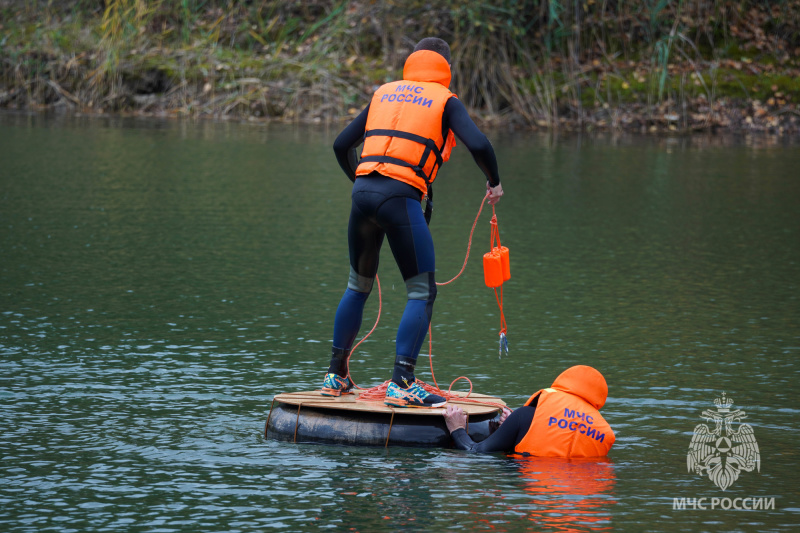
[(583, 381), (425, 65)]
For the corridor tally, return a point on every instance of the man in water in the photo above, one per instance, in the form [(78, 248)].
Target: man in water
[(408, 131), (561, 421)]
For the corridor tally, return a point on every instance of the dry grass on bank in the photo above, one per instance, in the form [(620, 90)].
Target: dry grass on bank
[(590, 64)]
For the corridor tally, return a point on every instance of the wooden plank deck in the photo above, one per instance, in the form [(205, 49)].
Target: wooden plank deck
[(348, 402)]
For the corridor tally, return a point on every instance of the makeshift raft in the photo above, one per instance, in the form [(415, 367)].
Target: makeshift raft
[(311, 417)]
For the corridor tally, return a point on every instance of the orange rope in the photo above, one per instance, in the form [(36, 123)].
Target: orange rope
[(449, 395), (378, 393), (495, 236), (469, 243), (503, 325), (377, 319)]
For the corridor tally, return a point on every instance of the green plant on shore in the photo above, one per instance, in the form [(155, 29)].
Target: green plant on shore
[(530, 62)]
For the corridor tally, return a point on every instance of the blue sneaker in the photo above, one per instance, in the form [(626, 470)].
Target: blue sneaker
[(413, 396), (336, 385)]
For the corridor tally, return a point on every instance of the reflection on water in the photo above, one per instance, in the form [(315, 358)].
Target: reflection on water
[(161, 281), (569, 494)]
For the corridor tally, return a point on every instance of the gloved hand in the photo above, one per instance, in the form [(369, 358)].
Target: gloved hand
[(494, 193)]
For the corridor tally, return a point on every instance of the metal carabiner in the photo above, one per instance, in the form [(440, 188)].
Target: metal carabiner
[(503, 345)]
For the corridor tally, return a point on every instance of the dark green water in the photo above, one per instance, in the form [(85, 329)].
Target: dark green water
[(160, 282)]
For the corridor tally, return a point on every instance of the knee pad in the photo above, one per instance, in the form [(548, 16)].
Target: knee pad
[(359, 283), (421, 287)]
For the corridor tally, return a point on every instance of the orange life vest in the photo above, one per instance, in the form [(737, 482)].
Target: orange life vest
[(567, 422), (403, 138)]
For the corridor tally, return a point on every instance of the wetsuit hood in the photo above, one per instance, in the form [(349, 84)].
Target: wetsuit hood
[(425, 65), (583, 381)]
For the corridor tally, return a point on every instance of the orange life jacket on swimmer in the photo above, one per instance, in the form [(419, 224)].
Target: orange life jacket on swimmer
[(567, 422), (403, 138)]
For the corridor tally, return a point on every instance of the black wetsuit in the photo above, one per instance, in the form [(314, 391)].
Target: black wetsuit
[(505, 439), (385, 207)]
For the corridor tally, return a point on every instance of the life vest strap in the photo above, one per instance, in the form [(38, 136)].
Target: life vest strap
[(429, 205), (395, 161), (428, 143), (430, 148)]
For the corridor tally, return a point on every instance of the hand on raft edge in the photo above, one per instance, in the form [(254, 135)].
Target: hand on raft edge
[(456, 418)]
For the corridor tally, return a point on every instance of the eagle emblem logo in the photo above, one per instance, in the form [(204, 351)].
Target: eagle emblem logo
[(723, 453)]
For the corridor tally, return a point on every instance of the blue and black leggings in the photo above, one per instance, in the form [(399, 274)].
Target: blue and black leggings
[(387, 207)]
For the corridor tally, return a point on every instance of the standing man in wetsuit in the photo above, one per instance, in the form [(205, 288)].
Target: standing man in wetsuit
[(408, 131)]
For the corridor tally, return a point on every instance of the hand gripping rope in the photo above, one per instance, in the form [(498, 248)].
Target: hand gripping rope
[(497, 269)]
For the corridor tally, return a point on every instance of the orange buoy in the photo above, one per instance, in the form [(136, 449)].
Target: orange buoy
[(496, 263), (493, 268), (505, 259)]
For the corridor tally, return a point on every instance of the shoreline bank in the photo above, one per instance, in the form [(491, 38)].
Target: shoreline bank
[(706, 67)]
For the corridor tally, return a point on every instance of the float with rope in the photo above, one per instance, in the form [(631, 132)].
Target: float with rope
[(362, 419)]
